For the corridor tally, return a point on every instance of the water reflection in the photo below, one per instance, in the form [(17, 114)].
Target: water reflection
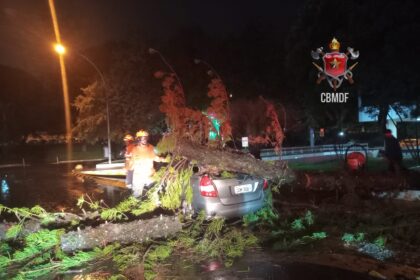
[(256, 264), (51, 186)]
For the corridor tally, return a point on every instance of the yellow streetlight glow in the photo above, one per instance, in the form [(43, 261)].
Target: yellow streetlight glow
[(59, 48)]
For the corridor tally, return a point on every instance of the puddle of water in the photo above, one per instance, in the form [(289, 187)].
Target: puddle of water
[(256, 265), (52, 187), (247, 267), (291, 271)]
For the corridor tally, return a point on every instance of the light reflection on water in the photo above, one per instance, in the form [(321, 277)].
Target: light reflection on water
[(257, 265), (51, 186)]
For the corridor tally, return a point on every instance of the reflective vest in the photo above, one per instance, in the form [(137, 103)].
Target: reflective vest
[(142, 158), (128, 154)]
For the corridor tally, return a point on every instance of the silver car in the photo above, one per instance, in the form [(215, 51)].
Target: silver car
[(228, 197)]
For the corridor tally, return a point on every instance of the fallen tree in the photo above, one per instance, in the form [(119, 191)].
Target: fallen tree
[(125, 233), (194, 135), (217, 160)]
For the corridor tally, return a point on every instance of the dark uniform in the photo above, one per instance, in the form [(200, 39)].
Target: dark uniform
[(393, 153)]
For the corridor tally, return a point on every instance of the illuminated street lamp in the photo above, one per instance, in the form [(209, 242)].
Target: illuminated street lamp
[(67, 113), (60, 49)]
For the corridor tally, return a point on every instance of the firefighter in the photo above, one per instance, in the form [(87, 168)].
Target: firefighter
[(128, 150), (142, 159)]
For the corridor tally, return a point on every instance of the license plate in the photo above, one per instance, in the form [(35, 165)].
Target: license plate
[(243, 189)]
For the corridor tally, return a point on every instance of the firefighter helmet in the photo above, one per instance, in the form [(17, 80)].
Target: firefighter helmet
[(128, 137), (142, 133)]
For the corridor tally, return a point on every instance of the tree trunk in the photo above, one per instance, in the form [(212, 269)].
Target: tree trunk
[(136, 231), (229, 160), (382, 117), (34, 225)]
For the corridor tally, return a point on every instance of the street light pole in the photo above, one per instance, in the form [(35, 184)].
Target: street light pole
[(153, 51), (214, 72), (60, 49), (197, 61), (67, 112), (284, 117), (108, 127)]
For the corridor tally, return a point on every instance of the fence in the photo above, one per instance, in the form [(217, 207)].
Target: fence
[(289, 153)]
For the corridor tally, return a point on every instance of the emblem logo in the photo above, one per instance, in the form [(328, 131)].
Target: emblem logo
[(335, 64)]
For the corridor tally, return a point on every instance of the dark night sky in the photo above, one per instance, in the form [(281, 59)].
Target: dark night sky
[(251, 43), (27, 35)]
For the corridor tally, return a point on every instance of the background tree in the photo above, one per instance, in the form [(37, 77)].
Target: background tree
[(133, 97), (258, 120), (219, 107)]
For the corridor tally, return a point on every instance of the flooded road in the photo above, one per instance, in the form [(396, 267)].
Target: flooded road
[(256, 265), (51, 186), (55, 188)]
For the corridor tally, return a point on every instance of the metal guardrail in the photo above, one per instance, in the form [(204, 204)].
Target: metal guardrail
[(321, 150), (308, 151)]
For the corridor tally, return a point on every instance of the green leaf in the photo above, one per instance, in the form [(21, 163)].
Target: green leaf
[(23, 212), (250, 218), (4, 261), (160, 253), (80, 201), (348, 238), (14, 231), (215, 227), (319, 235), (128, 204), (47, 219), (4, 248), (74, 222), (359, 237), (298, 225), (227, 174), (110, 214), (77, 260), (95, 205), (37, 210), (380, 241)]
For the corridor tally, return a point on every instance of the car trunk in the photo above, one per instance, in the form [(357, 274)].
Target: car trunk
[(237, 190)]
